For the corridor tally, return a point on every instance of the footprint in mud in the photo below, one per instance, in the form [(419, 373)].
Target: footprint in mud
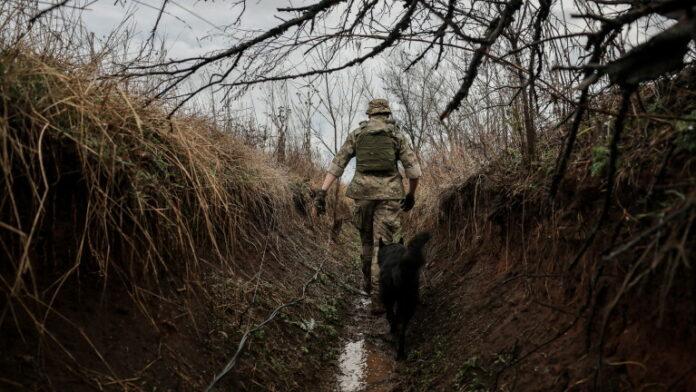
[(367, 361)]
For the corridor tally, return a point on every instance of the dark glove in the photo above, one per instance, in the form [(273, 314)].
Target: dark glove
[(320, 201), (408, 202)]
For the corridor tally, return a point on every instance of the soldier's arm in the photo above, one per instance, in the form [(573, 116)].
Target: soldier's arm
[(412, 185), (328, 181), (339, 163), (409, 160)]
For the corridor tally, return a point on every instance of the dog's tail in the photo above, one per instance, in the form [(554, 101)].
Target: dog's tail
[(415, 246)]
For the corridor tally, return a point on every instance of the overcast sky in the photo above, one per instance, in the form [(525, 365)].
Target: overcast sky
[(191, 28)]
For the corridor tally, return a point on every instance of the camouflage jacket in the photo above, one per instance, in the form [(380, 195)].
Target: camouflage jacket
[(371, 187)]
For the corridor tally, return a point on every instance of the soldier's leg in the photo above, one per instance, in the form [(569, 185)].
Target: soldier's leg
[(362, 218), (387, 226)]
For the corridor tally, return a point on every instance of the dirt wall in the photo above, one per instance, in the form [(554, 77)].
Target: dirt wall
[(511, 300)]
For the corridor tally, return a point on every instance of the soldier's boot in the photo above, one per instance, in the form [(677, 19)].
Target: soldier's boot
[(367, 276)]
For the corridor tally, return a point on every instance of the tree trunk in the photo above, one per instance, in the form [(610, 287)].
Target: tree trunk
[(280, 148), (529, 151)]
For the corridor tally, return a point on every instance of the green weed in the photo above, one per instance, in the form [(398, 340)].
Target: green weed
[(329, 311), (686, 133), (472, 376), (600, 158)]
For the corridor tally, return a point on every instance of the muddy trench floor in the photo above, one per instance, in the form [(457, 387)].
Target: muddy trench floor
[(367, 362)]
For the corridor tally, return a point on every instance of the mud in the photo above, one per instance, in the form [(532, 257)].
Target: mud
[(367, 361)]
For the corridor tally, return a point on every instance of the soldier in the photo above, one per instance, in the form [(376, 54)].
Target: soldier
[(377, 186)]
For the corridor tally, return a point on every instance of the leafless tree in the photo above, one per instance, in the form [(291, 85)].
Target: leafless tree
[(279, 111), (418, 93), (305, 109), (534, 41), (339, 99)]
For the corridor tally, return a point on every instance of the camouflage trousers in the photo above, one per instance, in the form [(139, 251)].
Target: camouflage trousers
[(376, 219)]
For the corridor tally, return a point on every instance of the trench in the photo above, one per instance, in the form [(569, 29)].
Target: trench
[(367, 360)]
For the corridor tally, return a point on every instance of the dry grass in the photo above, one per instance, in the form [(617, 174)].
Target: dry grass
[(62, 132), (96, 185)]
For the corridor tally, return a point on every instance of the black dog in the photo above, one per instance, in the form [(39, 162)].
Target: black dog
[(398, 279)]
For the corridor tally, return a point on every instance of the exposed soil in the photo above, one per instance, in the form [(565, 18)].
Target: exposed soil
[(487, 327), (508, 309), (105, 340)]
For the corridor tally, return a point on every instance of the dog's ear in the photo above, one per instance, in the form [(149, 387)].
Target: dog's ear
[(381, 243)]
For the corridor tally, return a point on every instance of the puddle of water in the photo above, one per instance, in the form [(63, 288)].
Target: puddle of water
[(365, 365), (352, 364)]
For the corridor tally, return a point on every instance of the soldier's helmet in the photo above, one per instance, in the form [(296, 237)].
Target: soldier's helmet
[(378, 106)]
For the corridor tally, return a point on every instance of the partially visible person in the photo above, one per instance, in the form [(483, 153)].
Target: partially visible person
[(377, 186)]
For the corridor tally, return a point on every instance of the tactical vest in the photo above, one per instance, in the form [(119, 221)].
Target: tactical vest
[(376, 150)]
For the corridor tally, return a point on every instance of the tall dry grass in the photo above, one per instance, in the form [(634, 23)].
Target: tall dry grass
[(93, 180)]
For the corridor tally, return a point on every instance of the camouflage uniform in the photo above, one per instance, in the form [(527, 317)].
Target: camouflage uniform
[(376, 195)]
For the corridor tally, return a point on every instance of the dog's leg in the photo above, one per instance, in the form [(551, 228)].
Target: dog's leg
[(401, 353), (391, 317), (404, 315)]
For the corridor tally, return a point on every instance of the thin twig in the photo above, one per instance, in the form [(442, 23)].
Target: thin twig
[(242, 342)]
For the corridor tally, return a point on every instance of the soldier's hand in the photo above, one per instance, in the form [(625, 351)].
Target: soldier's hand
[(320, 201), (408, 202)]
